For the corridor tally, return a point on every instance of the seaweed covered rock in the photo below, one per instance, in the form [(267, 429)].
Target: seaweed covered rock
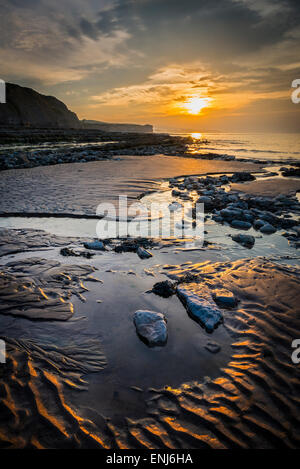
[(164, 289)]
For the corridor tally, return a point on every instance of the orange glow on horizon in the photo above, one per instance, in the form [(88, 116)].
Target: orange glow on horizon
[(195, 105)]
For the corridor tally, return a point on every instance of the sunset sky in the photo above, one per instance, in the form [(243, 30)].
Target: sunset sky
[(194, 65)]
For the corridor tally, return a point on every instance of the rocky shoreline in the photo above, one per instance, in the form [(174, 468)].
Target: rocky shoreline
[(25, 148), (31, 149), (241, 210), (28, 148)]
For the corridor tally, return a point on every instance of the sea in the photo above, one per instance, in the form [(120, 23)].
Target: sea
[(262, 146)]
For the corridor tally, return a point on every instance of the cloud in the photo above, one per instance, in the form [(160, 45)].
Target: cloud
[(207, 27), (163, 91), (58, 33), (148, 56), (44, 43)]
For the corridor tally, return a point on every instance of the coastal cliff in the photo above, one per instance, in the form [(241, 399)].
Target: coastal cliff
[(112, 127), (26, 107)]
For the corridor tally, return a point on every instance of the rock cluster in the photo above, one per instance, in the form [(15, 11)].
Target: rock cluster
[(138, 245), (241, 211), (291, 172), (81, 150)]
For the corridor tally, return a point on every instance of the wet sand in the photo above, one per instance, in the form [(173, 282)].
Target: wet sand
[(70, 189), (269, 187), (66, 384), (77, 374)]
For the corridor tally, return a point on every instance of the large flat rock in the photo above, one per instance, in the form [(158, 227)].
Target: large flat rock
[(200, 305)]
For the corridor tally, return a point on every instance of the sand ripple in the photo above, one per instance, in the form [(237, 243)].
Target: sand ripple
[(34, 409), (41, 288), (253, 403)]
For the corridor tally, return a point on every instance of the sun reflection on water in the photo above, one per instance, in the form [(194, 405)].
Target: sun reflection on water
[(196, 135)]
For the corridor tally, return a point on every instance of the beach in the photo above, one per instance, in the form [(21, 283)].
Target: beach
[(149, 228), (80, 373)]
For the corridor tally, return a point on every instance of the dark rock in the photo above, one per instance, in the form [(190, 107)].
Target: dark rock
[(239, 224), (151, 326), (200, 305), (143, 253), (207, 201), (231, 213), (218, 218), (268, 229), (164, 289), (242, 177), (132, 244), (245, 240), (127, 246), (70, 252), (297, 230), (204, 199), (292, 172), (258, 224), (95, 245)]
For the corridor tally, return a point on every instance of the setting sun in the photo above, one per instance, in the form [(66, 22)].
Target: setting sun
[(195, 105)]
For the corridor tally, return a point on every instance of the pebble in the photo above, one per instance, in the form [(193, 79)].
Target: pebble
[(268, 229), (143, 253), (95, 245), (239, 224), (245, 240)]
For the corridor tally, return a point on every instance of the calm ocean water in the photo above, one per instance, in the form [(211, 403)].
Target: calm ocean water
[(264, 146)]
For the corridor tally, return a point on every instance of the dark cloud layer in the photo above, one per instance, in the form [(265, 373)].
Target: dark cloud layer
[(199, 26), (180, 28)]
